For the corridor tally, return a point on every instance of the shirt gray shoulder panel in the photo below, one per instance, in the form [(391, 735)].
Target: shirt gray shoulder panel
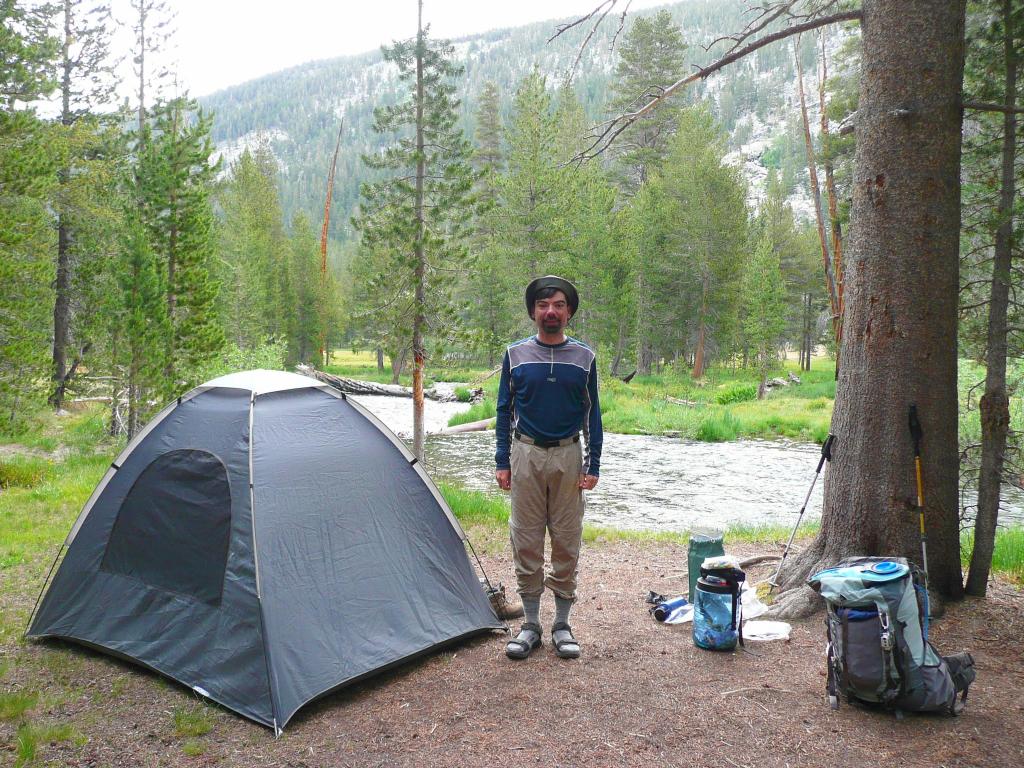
[(529, 351)]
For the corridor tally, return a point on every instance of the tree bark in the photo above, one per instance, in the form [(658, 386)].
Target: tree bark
[(398, 364), (644, 354), (901, 281), (995, 405), (419, 316), (698, 355)]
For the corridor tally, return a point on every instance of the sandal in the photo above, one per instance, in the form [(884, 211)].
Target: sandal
[(566, 646), (525, 643)]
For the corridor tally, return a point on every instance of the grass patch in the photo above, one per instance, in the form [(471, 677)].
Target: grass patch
[(194, 720), (771, 533), (463, 394), (1007, 554), (721, 406), (736, 392), (16, 703), (476, 507), (23, 471), (31, 735), (485, 409), (34, 520), (718, 428), (193, 748)]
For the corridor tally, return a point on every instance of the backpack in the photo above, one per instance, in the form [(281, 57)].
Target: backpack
[(878, 650)]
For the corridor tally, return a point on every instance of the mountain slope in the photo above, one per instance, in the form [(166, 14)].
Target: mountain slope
[(298, 110)]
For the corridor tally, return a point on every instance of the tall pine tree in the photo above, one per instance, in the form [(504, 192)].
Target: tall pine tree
[(176, 179), (26, 176), (87, 83), (419, 213)]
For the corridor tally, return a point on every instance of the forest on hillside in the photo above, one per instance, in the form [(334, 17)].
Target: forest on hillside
[(297, 112)]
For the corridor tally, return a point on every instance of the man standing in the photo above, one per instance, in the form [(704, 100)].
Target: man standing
[(547, 395)]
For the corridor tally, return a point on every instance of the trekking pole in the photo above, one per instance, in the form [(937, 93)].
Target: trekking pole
[(826, 455), (917, 433)]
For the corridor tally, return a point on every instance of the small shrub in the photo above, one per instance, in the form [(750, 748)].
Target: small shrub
[(736, 392), (23, 471)]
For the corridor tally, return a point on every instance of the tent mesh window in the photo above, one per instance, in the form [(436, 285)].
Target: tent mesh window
[(173, 527)]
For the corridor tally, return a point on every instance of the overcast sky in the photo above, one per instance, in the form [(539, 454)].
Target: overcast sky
[(224, 42)]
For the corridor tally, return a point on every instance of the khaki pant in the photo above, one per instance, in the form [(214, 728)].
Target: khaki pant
[(546, 495)]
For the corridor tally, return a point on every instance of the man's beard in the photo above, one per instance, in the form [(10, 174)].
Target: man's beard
[(551, 326)]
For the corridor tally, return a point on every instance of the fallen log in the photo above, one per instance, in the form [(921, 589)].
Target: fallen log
[(356, 387), (473, 426), (687, 403)]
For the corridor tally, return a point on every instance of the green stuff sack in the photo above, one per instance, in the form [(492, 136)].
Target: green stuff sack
[(702, 546)]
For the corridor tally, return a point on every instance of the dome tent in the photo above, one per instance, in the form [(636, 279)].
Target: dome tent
[(264, 540)]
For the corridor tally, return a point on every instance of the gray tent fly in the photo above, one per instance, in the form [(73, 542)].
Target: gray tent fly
[(265, 541)]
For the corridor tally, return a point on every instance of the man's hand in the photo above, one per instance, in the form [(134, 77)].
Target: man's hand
[(587, 482), (504, 478)]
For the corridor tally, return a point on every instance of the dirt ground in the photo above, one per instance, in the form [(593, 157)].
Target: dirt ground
[(641, 695)]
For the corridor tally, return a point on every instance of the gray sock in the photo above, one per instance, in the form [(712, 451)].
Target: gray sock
[(531, 607), (562, 608)]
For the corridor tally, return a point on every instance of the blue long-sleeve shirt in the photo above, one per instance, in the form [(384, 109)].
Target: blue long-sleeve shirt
[(549, 392)]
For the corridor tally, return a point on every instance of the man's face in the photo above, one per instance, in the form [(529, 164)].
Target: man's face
[(552, 314)]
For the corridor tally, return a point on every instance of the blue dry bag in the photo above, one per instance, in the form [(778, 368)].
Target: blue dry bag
[(717, 609)]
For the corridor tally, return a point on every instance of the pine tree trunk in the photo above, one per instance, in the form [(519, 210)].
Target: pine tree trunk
[(419, 319), (380, 358), (62, 284), (61, 313), (698, 355), (620, 349), (995, 410), (644, 354), (398, 364), (901, 281)]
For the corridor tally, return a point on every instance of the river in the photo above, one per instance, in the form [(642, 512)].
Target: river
[(654, 483)]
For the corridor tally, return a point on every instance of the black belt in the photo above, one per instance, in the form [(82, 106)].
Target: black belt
[(544, 443)]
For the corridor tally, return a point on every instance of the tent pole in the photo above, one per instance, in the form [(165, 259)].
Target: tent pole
[(43, 588)]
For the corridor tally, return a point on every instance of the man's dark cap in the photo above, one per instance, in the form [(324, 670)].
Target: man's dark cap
[(558, 283)]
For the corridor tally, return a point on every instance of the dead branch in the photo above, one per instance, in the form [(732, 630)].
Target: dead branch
[(757, 559), (812, 169), (767, 15), (610, 129), (563, 28), (622, 23), (981, 106), (586, 41)]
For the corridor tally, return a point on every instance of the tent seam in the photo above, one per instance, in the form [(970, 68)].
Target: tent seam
[(256, 567)]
